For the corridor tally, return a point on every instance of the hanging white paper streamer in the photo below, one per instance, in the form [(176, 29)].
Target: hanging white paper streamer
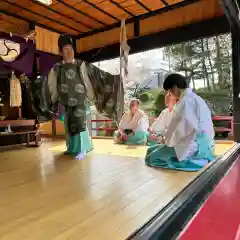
[(124, 51)]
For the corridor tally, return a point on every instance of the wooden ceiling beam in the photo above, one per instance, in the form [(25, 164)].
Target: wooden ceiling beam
[(82, 13), (136, 28), (30, 21), (140, 17), (101, 10), (143, 6), (206, 28), (122, 8), (61, 14), (164, 2), (41, 15)]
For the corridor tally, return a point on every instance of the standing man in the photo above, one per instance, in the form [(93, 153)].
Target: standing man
[(75, 84)]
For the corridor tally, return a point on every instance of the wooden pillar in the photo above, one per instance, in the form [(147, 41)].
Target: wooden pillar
[(232, 13), (235, 30), (54, 128), (20, 112)]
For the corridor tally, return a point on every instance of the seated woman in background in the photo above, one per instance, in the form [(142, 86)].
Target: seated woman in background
[(133, 126), (187, 143), (160, 125)]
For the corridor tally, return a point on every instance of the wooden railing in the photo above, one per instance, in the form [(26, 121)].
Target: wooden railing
[(108, 129), (224, 129), (105, 128)]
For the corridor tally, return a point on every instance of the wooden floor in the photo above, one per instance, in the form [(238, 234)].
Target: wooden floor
[(48, 196)]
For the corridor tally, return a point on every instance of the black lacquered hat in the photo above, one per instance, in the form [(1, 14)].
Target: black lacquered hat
[(64, 40)]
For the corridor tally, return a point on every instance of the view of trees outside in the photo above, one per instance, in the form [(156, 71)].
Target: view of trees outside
[(206, 62)]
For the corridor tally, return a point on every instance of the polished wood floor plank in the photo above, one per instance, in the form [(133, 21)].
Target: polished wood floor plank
[(108, 214), (46, 195)]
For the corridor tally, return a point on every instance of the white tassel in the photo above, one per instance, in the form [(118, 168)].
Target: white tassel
[(8, 129), (15, 92)]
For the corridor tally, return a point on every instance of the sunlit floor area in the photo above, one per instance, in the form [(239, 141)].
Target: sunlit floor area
[(46, 195), (107, 146)]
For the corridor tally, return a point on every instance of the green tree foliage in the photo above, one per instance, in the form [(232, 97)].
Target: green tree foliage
[(159, 103), (207, 59), (218, 101), (144, 97), (111, 126)]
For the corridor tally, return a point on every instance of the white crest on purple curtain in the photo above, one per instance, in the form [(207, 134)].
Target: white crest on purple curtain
[(9, 50)]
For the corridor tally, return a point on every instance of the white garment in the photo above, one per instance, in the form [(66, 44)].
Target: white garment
[(138, 123), (190, 116), (160, 125)]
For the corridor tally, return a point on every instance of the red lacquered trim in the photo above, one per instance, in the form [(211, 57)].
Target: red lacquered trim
[(219, 218)]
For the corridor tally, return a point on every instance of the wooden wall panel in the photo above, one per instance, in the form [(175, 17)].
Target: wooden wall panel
[(46, 128), (10, 24), (202, 10), (46, 40), (102, 39), (198, 11), (60, 128)]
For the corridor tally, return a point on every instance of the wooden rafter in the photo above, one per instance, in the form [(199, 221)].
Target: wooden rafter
[(141, 17), (81, 12), (164, 2), (101, 10), (16, 16), (60, 13), (88, 17), (122, 8), (40, 15), (143, 5)]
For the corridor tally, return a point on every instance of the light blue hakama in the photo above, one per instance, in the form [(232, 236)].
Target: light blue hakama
[(138, 138), (163, 156), (150, 141), (80, 143)]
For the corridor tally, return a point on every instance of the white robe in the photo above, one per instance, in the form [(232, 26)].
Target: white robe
[(140, 122), (160, 125), (190, 116)]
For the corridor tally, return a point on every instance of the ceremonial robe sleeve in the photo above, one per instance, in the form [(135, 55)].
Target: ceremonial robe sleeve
[(104, 90), (183, 126), (143, 123), (122, 124), (159, 124), (44, 97), (52, 86)]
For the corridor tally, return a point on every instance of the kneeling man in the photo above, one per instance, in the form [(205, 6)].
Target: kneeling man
[(160, 125), (187, 143)]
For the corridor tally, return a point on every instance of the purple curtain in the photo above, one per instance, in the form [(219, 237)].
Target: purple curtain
[(46, 62), (24, 62)]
